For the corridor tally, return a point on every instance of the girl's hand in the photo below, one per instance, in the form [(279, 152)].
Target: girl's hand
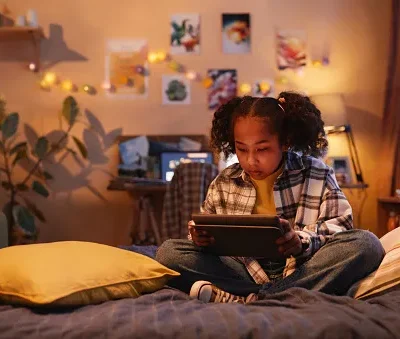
[(289, 243), (200, 238)]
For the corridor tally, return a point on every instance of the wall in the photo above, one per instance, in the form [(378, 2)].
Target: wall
[(357, 31)]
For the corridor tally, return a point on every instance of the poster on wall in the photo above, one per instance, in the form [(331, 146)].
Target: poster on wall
[(122, 59), (223, 88), (185, 34), (291, 49), (175, 90), (264, 88), (236, 33)]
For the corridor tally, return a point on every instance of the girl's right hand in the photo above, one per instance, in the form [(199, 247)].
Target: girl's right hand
[(199, 237)]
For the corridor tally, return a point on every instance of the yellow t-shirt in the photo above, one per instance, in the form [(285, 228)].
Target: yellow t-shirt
[(265, 203)]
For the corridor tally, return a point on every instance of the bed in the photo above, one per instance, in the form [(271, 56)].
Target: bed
[(168, 313)]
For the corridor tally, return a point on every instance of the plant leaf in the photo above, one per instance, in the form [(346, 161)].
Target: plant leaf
[(41, 147), (81, 146), (47, 175), (10, 125), (6, 185), (40, 189), (36, 212), (22, 154), (70, 110), (22, 187), (24, 218), (19, 146)]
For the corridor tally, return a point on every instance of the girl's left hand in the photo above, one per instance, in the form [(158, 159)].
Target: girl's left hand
[(289, 243)]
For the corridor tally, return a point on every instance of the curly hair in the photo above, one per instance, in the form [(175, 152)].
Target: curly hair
[(293, 116)]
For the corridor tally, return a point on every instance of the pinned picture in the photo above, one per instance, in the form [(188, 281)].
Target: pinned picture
[(185, 34), (341, 166), (223, 87), (263, 88), (126, 62), (291, 49), (175, 90), (236, 30)]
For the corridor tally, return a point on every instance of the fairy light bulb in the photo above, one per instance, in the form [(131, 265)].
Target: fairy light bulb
[(86, 88), (245, 89), (32, 67), (265, 87), (191, 75), (106, 85), (50, 78), (152, 57), (161, 56), (67, 85)]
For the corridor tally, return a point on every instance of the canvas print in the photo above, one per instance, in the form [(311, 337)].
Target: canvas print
[(175, 90), (341, 166), (122, 59), (223, 87), (264, 88), (291, 49), (236, 30), (185, 34)]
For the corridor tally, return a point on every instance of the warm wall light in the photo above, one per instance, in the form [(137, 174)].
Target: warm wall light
[(334, 114)]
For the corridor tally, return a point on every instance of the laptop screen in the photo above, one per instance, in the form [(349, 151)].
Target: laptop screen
[(171, 160)]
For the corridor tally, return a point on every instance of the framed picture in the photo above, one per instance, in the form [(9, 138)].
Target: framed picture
[(342, 168), (185, 34), (175, 90), (236, 38)]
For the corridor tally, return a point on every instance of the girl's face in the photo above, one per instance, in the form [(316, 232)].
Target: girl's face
[(259, 152)]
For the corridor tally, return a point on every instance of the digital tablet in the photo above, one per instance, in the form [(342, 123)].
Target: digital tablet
[(241, 235)]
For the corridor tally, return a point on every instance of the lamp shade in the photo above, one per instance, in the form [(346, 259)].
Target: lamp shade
[(332, 108)]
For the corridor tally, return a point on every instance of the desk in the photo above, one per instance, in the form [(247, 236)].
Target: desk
[(147, 206)]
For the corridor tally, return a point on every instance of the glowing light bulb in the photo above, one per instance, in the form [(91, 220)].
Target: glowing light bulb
[(208, 82), (152, 57), (106, 85), (161, 56), (265, 87), (245, 89), (50, 78), (86, 88), (317, 63), (191, 75), (67, 85), (32, 67)]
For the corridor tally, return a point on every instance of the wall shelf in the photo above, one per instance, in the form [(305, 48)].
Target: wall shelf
[(35, 35)]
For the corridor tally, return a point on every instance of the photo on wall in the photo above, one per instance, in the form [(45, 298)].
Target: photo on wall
[(291, 49), (342, 168), (175, 90), (122, 59), (185, 34), (223, 88), (236, 33), (264, 88)]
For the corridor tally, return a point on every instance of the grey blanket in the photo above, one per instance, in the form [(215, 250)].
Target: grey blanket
[(295, 313)]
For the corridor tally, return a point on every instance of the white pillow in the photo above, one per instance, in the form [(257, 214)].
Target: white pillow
[(387, 276)]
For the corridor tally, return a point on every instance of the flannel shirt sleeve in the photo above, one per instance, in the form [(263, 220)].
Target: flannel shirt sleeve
[(208, 204), (335, 215)]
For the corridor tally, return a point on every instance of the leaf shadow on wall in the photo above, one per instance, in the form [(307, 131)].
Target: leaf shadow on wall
[(54, 49), (69, 170)]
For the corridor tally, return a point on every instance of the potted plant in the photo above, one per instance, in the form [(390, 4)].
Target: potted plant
[(19, 214)]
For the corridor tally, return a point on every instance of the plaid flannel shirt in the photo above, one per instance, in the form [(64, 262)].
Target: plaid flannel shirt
[(306, 194)]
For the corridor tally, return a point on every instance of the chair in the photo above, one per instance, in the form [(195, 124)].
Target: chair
[(184, 196)]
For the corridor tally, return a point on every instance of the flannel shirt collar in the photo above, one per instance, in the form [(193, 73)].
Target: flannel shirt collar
[(293, 163)]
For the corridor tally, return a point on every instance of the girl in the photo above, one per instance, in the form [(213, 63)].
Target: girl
[(278, 143)]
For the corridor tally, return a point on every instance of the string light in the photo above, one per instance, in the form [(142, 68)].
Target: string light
[(152, 57), (67, 85), (50, 78), (33, 67), (191, 75), (245, 89)]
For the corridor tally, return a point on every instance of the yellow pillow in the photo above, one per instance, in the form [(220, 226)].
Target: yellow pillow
[(76, 273)]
